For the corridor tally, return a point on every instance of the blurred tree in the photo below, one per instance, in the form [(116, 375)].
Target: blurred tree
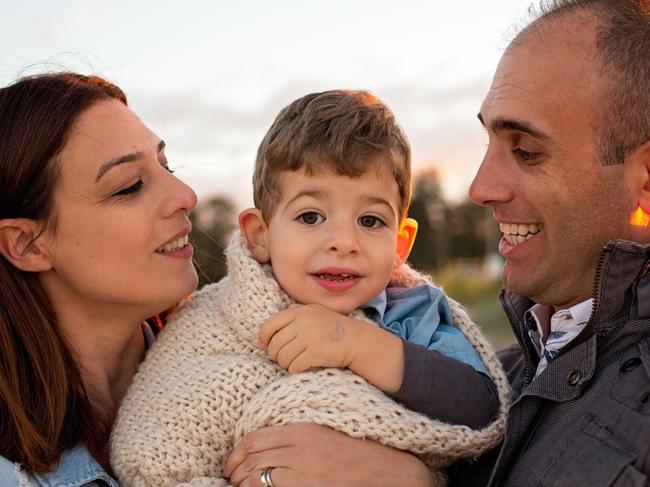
[(428, 207), (448, 232), (212, 224)]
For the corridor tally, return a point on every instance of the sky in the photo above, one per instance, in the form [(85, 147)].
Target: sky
[(209, 76)]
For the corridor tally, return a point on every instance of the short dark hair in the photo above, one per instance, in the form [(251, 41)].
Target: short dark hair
[(623, 44), (344, 131)]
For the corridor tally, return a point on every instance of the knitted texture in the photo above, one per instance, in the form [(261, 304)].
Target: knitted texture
[(205, 383)]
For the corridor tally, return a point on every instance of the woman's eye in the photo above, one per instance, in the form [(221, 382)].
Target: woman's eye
[(311, 218), (370, 221), (134, 188)]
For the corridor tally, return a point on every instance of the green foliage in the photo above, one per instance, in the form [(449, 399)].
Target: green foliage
[(447, 231), (479, 293)]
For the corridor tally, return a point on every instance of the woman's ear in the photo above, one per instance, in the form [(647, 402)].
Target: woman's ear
[(20, 244), (254, 229)]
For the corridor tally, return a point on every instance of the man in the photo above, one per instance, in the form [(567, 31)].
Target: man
[(568, 163)]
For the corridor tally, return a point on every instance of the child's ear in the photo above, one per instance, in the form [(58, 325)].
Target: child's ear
[(408, 229), (254, 229), (638, 172), (20, 245)]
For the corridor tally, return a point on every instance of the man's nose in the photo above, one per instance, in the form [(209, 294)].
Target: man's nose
[(492, 183)]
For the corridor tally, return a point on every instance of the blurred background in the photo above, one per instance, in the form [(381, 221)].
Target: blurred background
[(209, 76)]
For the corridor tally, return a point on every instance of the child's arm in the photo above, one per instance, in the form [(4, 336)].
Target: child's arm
[(307, 336), (446, 389)]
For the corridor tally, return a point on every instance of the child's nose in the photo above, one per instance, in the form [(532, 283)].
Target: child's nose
[(344, 240)]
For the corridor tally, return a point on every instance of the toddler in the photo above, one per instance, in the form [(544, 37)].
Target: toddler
[(312, 321)]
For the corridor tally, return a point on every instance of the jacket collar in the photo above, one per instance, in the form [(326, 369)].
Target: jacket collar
[(76, 468), (621, 294)]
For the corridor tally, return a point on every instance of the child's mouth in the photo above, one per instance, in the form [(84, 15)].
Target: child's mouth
[(336, 277), (336, 280)]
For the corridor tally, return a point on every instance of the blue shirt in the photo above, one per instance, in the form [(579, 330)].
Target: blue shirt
[(76, 468), (422, 315)]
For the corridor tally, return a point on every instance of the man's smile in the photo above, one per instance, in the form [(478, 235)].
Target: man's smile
[(516, 233)]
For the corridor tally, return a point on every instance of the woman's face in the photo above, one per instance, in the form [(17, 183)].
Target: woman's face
[(119, 239)]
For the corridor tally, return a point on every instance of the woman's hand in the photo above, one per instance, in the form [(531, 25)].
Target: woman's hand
[(305, 454)]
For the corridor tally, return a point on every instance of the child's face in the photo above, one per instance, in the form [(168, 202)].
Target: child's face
[(332, 239)]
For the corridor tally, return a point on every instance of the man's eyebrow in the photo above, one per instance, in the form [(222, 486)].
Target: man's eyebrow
[(501, 124), (133, 156)]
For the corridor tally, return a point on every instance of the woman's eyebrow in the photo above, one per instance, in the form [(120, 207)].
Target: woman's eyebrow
[(133, 156), (107, 166)]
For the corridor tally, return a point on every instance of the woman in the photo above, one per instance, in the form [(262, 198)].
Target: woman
[(93, 241), (93, 238)]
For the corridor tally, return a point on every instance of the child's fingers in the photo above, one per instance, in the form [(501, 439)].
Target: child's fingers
[(288, 352), (301, 363), (278, 341), (274, 324)]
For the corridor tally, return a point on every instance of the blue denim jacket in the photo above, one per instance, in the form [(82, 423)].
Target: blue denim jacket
[(77, 468), (422, 315)]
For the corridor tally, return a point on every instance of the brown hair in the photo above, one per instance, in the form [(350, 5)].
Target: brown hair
[(44, 406), (623, 44), (347, 132)]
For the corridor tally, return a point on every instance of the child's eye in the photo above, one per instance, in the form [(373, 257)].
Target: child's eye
[(311, 218), (134, 188), (370, 221)]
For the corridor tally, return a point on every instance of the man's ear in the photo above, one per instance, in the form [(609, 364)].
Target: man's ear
[(254, 229), (408, 229), (20, 244), (638, 174)]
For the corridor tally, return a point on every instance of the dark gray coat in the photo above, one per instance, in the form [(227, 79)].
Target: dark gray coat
[(585, 421)]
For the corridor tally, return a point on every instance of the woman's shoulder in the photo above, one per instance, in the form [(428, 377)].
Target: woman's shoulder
[(11, 475), (76, 468)]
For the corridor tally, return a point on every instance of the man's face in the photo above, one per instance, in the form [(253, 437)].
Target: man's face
[(555, 203)]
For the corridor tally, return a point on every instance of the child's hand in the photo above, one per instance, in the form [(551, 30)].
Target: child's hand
[(306, 336)]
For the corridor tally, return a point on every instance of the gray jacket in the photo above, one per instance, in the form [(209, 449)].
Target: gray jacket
[(585, 421)]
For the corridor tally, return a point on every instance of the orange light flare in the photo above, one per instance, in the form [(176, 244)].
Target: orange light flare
[(639, 218)]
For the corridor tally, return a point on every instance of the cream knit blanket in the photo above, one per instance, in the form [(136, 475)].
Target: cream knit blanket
[(205, 383)]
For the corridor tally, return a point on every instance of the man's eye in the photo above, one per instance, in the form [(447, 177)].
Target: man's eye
[(370, 221), (524, 155), (134, 188), (311, 218)]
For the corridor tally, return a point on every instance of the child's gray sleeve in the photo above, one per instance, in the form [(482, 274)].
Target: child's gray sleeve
[(446, 389)]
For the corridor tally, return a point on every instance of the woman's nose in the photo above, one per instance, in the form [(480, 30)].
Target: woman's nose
[(179, 197)]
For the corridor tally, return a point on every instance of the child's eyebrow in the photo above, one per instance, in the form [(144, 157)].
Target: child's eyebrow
[(379, 201), (311, 193)]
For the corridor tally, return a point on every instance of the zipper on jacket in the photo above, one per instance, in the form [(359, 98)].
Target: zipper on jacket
[(588, 329), (597, 277), (514, 319)]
